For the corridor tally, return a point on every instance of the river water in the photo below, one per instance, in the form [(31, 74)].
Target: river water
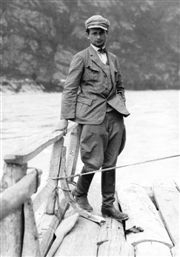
[(152, 130)]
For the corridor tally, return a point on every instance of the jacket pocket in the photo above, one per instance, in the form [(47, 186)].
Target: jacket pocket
[(84, 100), (83, 107), (91, 72)]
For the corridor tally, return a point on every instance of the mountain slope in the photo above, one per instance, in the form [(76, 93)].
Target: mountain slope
[(39, 38)]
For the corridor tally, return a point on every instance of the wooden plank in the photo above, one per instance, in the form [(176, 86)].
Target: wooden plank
[(82, 241), (34, 146), (104, 240), (30, 239), (49, 223), (142, 213), (54, 172), (167, 198), (46, 234), (11, 227), (65, 227), (73, 151), (14, 196)]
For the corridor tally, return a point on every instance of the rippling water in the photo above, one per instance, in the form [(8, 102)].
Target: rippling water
[(152, 128)]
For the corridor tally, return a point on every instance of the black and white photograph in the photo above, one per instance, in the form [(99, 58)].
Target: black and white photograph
[(90, 122)]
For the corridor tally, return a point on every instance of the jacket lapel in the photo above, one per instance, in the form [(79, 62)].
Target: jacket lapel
[(112, 69), (95, 58)]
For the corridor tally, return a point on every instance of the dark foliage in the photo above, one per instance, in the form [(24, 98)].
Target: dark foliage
[(39, 38)]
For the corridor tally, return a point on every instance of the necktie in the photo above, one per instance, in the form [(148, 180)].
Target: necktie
[(102, 50)]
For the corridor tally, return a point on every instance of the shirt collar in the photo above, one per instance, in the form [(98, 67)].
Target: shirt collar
[(96, 48)]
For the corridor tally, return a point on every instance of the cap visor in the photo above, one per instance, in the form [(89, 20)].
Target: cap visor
[(97, 26)]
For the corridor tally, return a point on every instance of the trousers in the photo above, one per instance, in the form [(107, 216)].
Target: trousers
[(100, 146)]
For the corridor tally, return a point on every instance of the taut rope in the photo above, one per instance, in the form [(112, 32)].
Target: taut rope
[(115, 167)]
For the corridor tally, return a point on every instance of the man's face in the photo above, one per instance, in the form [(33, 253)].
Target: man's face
[(97, 36)]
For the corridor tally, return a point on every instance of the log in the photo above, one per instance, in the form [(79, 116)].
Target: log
[(111, 240), (82, 240), (34, 147), (73, 151), (30, 240), (11, 227), (65, 227), (167, 198), (14, 196), (152, 249), (54, 172), (142, 213)]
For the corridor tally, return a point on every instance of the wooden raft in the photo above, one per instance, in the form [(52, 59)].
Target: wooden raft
[(160, 235), (49, 226)]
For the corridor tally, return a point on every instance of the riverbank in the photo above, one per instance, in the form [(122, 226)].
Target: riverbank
[(26, 85)]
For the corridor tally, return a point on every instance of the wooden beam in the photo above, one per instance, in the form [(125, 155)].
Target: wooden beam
[(30, 239), (47, 227), (46, 234), (49, 223), (167, 198), (11, 227), (73, 151), (34, 146), (41, 197), (54, 172), (14, 196), (142, 213), (65, 227)]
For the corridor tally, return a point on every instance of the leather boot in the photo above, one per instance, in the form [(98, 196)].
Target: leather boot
[(81, 191), (108, 188), (114, 213), (83, 202), (108, 192)]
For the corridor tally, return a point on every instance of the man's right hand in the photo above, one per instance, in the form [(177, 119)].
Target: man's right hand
[(62, 125)]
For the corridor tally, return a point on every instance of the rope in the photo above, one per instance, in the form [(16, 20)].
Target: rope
[(114, 167)]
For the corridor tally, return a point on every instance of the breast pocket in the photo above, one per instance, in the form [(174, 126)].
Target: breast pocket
[(91, 73)]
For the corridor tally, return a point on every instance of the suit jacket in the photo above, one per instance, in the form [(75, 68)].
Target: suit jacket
[(83, 100)]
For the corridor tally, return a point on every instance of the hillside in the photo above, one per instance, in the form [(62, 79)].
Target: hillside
[(39, 38)]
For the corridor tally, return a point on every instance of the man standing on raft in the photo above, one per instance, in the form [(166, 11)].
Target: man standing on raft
[(94, 98)]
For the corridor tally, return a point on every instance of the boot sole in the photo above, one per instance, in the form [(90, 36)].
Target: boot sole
[(90, 210), (118, 219)]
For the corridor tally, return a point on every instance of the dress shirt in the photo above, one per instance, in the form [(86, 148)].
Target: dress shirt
[(102, 56)]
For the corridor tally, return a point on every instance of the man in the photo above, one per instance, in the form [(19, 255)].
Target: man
[(93, 97)]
